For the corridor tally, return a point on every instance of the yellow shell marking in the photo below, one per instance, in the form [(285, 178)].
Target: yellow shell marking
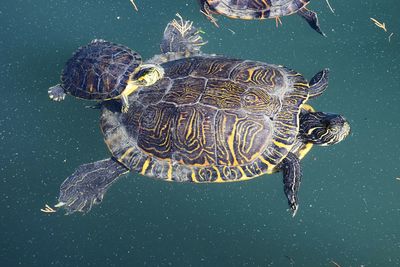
[(169, 173), (194, 179), (231, 140), (190, 126), (244, 176), (250, 72), (219, 178), (266, 162)]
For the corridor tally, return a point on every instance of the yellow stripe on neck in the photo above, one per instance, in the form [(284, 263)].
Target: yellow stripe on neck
[(130, 88), (307, 147)]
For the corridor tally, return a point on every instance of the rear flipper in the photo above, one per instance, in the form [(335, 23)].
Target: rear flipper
[(88, 184), (291, 180), (180, 36), (312, 19)]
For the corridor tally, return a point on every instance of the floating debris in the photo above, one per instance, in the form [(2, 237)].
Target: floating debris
[(366, 204), (292, 262), (48, 209), (134, 5), (390, 36), (329, 5), (379, 24), (232, 31), (210, 18)]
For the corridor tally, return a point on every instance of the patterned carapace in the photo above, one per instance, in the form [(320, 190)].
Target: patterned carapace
[(210, 119)]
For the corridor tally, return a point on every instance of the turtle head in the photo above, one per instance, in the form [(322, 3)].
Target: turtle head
[(147, 75), (323, 128)]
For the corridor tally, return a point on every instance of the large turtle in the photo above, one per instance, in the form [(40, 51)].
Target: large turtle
[(210, 119), (101, 71), (260, 9)]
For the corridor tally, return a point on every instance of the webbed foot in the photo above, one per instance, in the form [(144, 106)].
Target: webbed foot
[(88, 184), (180, 36), (56, 93)]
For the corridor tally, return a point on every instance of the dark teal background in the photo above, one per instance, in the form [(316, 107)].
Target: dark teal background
[(349, 200)]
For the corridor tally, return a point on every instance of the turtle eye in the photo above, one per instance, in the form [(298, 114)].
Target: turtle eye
[(334, 129)]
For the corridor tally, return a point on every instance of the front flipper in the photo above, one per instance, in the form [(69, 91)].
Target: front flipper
[(319, 83), (88, 184), (180, 36), (292, 174), (312, 19), (56, 93)]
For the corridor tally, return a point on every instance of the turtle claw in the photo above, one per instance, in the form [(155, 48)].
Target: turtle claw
[(48, 209), (125, 109), (294, 207), (59, 204), (56, 93), (81, 203)]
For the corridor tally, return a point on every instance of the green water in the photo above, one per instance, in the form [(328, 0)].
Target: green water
[(349, 200)]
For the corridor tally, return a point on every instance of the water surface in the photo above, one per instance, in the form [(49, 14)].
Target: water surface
[(349, 210)]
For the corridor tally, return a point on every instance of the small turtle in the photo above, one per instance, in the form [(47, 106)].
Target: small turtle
[(210, 119), (260, 9), (102, 71)]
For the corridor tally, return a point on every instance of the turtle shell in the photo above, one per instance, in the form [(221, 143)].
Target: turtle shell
[(210, 119), (255, 9), (99, 70)]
